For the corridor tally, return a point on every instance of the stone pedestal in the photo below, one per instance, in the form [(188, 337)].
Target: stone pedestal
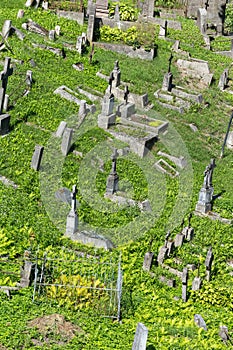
[(72, 222), (127, 110), (204, 204), (112, 183)]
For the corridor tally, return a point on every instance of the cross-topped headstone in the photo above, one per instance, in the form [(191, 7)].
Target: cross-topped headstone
[(4, 75), (207, 5), (208, 174)]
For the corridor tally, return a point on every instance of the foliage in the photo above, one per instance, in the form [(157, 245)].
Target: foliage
[(228, 23), (127, 12)]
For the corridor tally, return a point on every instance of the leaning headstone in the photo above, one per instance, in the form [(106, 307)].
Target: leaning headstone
[(148, 259), (196, 285), (36, 158), (66, 141), (52, 35), (184, 280), (200, 322), (223, 333), (4, 75), (190, 234), (61, 129), (20, 14), (4, 124), (167, 82), (6, 28), (72, 218), (140, 337), (82, 108), (223, 80)]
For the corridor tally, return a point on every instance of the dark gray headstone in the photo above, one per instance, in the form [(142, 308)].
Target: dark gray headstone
[(4, 124)]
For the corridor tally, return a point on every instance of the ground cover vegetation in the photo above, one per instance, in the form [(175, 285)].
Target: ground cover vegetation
[(25, 224)]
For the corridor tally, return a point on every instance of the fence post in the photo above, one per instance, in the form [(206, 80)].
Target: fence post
[(119, 290)]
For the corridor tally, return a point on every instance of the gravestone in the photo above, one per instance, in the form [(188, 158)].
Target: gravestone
[(179, 240), (204, 203), (57, 30), (140, 337), (25, 274), (20, 14), (79, 45), (29, 79), (113, 179), (61, 129), (223, 80), (163, 253), (148, 260), (66, 141), (200, 321), (117, 13), (223, 333), (6, 29), (148, 8), (91, 22), (208, 263), (170, 247), (163, 30), (202, 20), (184, 280), (116, 75), (167, 82), (196, 285), (229, 142), (72, 218), (82, 108), (36, 158), (6, 102), (4, 75), (52, 35), (107, 117), (4, 124)]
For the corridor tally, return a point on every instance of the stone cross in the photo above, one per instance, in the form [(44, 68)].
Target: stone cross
[(4, 75), (208, 174), (114, 159), (207, 5), (111, 78), (126, 94)]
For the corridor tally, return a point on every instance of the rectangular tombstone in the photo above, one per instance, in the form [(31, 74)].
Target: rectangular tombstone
[(4, 124), (91, 22), (72, 222), (179, 240), (25, 274), (148, 259), (61, 129), (140, 337), (66, 141), (167, 82), (127, 110), (107, 105), (6, 28), (162, 254), (196, 285), (36, 158)]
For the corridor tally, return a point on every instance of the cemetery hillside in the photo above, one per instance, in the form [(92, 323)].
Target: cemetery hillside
[(116, 164)]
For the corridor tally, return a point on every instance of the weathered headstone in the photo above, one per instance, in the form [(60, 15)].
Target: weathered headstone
[(179, 240), (200, 321), (82, 108), (204, 203), (29, 79), (52, 35), (66, 141), (25, 274), (79, 45), (72, 218), (208, 263), (61, 129), (4, 75), (116, 75), (148, 259), (163, 30), (140, 338), (202, 20), (91, 22), (184, 280), (20, 14), (113, 179), (57, 30), (162, 255), (36, 158), (223, 80), (223, 333), (117, 13), (196, 285), (167, 82), (6, 29), (107, 117)]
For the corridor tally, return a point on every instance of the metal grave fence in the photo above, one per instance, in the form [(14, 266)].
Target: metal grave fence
[(87, 284)]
